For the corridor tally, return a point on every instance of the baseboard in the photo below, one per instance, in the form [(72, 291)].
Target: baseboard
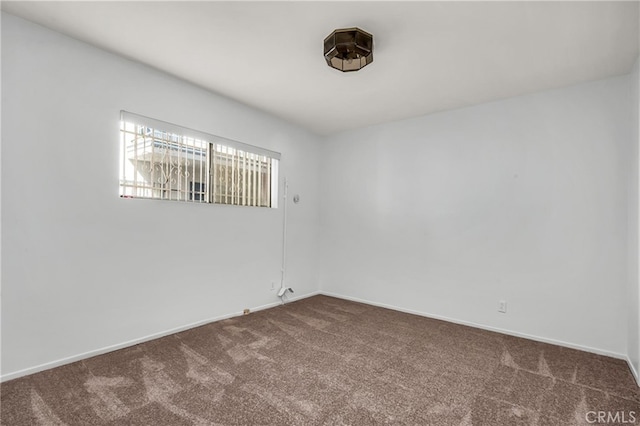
[(89, 354), (483, 327), (287, 300), (633, 371)]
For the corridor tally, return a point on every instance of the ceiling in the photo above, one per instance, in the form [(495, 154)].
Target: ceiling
[(428, 56)]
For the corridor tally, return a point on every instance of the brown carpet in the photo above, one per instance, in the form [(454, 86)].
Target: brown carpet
[(326, 361)]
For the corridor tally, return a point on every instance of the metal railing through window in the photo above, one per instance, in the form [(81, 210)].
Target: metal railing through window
[(160, 160)]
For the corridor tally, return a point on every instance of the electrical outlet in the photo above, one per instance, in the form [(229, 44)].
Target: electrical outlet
[(502, 306), (273, 285)]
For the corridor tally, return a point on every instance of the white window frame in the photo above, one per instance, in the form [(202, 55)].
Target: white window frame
[(230, 172)]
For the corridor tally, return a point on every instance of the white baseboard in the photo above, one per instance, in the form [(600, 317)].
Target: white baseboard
[(483, 327), (633, 371), (89, 354), (287, 300)]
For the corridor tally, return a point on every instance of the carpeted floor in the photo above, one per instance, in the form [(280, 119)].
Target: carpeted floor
[(326, 361)]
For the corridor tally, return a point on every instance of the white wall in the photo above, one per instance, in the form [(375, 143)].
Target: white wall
[(633, 265), (84, 269), (522, 200)]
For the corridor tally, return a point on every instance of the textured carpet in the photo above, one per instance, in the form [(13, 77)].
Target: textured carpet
[(326, 361)]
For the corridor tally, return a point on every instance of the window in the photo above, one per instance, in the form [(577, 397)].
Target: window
[(197, 191), (164, 161)]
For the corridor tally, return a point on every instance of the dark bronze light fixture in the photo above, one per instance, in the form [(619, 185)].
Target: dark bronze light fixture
[(348, 49)]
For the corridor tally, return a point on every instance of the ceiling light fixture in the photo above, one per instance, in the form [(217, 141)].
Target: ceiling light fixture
[(348, 49)]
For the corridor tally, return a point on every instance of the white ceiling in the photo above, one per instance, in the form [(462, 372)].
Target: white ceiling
[(428, 56)]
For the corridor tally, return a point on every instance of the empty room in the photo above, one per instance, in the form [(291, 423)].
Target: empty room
[(320, 213)]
